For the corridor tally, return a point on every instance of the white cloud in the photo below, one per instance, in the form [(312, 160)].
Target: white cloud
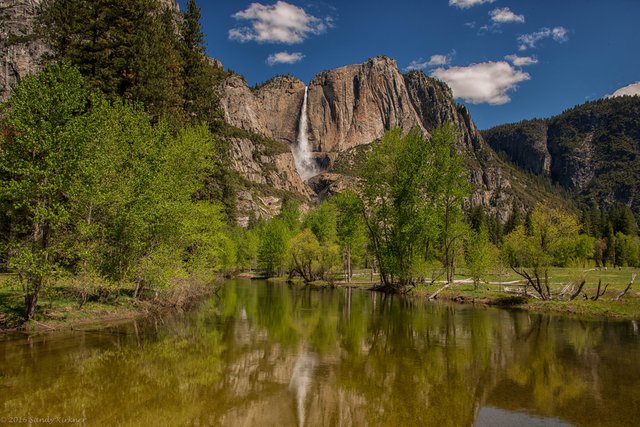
[(435, 60), (521, 61), (466, 4), (284, 58), (559, 34), (632, 89), (278, 23), (486, 82), (526, 41), (505, 16)]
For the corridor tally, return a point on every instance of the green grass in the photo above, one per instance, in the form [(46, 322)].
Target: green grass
[(58, 308), (491, 291)]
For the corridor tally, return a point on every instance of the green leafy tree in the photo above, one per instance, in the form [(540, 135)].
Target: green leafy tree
[(39, 164), (290, 214), (413, 191), (451, 187), (584, 249), (478, 254), (275, 237), (551, 241), (627, 250), (322, 221), (311, 259), (248, 244), (350, 228)]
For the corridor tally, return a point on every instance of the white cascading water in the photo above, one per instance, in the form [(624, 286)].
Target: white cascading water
[(305, 164)]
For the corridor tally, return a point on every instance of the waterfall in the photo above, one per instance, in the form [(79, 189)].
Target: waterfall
[(305, 164)]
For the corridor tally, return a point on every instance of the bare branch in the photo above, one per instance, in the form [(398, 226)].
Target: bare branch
[(598, 293), (577, 292), (623, 293)]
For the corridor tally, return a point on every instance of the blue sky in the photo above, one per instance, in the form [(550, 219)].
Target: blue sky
[(507, 60)]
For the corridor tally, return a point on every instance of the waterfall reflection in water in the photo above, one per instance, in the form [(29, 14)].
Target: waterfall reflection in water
[(269, 354), (301, 381)]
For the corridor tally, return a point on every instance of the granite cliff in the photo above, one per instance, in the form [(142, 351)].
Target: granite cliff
[(20, 51), (348, 109), (351, 107)]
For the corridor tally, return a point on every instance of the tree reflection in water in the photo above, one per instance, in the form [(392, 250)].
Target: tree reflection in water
[(266, 354)]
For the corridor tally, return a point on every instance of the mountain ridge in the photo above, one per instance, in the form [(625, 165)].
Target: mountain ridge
[(353, 105), (592, 149)]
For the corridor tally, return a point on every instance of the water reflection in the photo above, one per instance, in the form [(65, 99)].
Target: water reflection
[(301, 381), (273, 355)]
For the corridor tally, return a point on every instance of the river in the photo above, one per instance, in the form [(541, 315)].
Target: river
[(272, 355)]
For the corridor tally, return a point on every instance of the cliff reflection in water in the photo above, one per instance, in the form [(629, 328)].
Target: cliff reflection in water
[(271, 355)]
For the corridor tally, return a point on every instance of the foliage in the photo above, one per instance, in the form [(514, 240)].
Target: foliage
[(413, 191), (478, 254), (312, 259), (553, 239), (322, 221), (136, 50), (40, 162), (350, 229), (275, 238), (96, 189)]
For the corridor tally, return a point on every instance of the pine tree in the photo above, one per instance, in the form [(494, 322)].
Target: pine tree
[(200, 101), (124, 48)]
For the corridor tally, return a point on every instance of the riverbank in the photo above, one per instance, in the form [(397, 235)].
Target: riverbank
[(605, 306), (505, 290), (60, 308)]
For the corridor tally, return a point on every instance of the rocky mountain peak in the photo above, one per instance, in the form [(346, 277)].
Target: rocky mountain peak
[(351, 107), (355, 104)]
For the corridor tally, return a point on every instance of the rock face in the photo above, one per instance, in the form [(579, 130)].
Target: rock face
[(276, 170), (591, 150), (20, 51), (347, 106), (355, 104), (351, 107), (433, 102), (269, 174), (526, 144), (271, 110)]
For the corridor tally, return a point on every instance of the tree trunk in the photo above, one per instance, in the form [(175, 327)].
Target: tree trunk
[(137, 290), (349, 274), (30, 303)]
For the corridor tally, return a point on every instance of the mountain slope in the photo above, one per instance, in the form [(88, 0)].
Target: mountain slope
[(592, 150)]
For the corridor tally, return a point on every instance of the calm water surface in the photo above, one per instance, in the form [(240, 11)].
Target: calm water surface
[(271, 355)]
